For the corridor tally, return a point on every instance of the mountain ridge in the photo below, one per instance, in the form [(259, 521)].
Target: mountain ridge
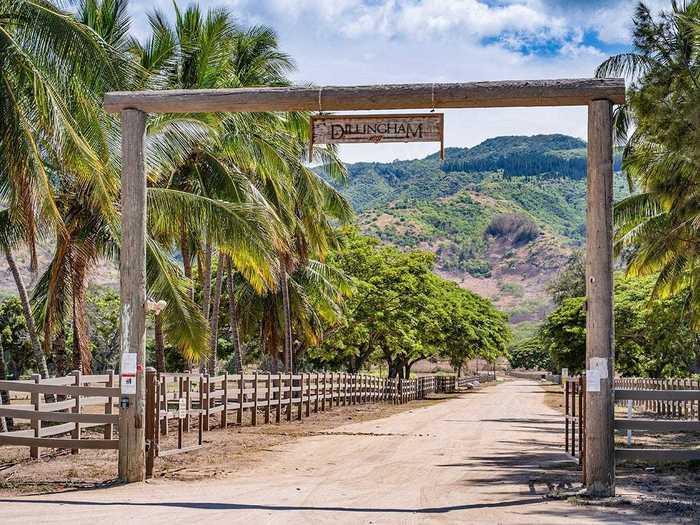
[(534, 184)]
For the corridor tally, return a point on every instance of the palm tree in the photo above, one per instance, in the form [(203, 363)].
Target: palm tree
[(91, 217), (197, 52), (657, 228), (46, 56)]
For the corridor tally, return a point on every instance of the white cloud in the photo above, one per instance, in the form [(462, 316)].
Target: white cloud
[(421, 19), (402, 41)]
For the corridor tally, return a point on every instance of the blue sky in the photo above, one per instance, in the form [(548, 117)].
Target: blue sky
[(394, 41)]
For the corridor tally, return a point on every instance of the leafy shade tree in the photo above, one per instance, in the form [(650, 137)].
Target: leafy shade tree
[(654, 337), (531, 354), (657, 228), (470, 327), (571, 280), (401, 312)]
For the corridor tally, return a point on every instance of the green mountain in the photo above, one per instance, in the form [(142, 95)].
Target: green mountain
[(502, 217)]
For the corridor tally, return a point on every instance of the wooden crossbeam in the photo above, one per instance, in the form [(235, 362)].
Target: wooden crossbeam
[(658, 395), (657, 454), (658, 425), (505, 93)]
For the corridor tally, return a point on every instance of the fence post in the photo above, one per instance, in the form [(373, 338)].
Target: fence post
[(317, 394), (224, 416), (109, 406), (36, 424), (200, 420), (152, 418), (268, 398), (76, 410), (308, 394), (180, 421), (291, 396), (188, 400), (278, 412), (566, 417), (254, 417), (164, 405), (241, 397), (300, 410)]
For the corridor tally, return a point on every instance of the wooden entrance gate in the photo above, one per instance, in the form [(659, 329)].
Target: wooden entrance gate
[(598, 95)]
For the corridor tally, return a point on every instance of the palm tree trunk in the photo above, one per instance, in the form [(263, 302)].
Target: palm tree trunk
[(82, 358), (5, 423), (205, 276), (234, 320), (206, 281), (39, 356), (186, 259), (214, 321), (159, 343), (288, 365), (58, 348)]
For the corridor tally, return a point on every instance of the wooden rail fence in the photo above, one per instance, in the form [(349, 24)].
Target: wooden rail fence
[(669, 408), (654, 405), (665, 405), (263, 398), (575, 417), (60, 410)]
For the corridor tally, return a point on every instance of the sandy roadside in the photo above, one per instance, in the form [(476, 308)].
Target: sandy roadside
[(487, 457)]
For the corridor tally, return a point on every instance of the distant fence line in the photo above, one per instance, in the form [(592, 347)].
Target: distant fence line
[(61, 409), (535, 374)]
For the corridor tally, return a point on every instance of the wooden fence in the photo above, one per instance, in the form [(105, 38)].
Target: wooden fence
[(261, 398), (59, 410), (665, 405), (653, 405), (667, 408), (574, 419)]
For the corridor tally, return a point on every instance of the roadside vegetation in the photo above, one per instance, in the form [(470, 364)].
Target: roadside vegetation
[(657, 299), (246, 242)]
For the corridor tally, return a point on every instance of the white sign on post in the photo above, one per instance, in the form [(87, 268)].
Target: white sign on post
[(127, 372), (564, 374), (182, 409), (592, 381), (600, 364)]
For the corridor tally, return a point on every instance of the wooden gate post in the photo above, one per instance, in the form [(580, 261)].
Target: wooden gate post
[(132, 271), (600, 446), (152, 417)]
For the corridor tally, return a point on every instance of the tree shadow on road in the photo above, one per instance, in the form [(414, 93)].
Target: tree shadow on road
[(253, 506)]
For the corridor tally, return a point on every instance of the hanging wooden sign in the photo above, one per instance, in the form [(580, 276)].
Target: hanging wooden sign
[(358, 129)]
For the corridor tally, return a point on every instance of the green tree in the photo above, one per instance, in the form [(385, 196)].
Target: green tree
[(46, 57), (656, 228), (571, 280), (654, 337), (401, 312), (531, 354)]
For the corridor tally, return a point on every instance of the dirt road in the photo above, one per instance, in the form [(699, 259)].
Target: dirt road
[(485, 457)]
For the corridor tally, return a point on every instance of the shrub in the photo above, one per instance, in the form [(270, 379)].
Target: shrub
[(519, 228)]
